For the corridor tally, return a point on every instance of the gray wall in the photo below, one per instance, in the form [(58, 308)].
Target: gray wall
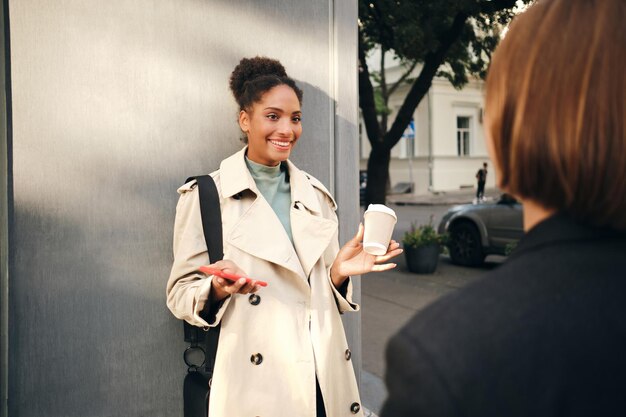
[(4, 218), (113, 104)]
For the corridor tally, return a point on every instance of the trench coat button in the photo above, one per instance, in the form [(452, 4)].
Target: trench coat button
[(254, 299), (210, 382), (256, 359), (355, 408), (348, 354)]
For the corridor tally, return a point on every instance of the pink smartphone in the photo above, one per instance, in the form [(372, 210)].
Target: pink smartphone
[(226, 275)]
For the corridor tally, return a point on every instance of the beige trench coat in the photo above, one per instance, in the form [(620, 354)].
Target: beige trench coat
[(296, 326)]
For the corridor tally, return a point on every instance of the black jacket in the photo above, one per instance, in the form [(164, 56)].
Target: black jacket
[(542, 335)]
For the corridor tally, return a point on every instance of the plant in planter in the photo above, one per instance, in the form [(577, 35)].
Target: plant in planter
[(422, 245)]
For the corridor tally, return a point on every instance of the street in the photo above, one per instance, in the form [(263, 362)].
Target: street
[(390, 298)]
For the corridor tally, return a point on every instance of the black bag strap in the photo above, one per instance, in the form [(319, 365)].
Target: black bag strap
[(199, 338), (211, 216)]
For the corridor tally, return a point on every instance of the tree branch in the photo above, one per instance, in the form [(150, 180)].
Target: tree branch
[(366, 98), (401, 80), (383, 90), (420, 87)]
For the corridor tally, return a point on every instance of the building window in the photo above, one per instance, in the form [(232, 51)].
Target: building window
[(463, 135)]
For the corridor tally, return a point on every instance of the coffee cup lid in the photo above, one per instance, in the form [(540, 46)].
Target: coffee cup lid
[(381, 208)]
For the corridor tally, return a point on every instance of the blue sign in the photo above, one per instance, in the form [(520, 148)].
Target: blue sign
[(409, 132)]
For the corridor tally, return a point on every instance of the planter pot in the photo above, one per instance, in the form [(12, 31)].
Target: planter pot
[(422, 260)]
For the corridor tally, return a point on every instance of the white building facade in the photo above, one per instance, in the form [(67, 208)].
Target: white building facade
[(445, 146)]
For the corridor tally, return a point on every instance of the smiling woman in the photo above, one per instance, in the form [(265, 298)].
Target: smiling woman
[(282, 348), (272, 125)]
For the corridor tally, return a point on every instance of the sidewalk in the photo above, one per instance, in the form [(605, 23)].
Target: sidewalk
[(436, 198), (373, 393)]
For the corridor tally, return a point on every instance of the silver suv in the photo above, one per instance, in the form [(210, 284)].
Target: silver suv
[(477, 230)]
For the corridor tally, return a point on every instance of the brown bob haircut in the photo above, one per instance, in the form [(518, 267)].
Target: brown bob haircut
[(555, 109)]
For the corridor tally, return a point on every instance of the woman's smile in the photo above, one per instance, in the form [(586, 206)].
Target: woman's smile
[(281, 145)]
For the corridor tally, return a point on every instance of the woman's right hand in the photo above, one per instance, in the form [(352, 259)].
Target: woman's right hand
[(223, 288)]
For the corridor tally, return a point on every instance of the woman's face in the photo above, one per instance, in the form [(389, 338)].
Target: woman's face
[(273, 125)]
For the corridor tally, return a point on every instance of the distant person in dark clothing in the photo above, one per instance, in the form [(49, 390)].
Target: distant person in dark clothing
[(481, 176), (544, 334)]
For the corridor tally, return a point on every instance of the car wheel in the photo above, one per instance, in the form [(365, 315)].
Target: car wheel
[(464, 245)]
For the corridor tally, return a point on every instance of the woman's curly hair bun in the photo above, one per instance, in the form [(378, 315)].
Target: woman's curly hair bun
[(254, 76), (251, 68)]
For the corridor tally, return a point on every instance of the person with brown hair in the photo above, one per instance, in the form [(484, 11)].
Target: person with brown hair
[(282, 348), (544, 334)]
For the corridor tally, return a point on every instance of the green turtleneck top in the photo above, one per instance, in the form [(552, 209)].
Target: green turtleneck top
[(273, 184)]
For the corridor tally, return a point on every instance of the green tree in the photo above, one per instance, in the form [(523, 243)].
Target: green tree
[(449, 38)]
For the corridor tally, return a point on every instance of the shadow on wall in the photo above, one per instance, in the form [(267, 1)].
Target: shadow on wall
[(100, 325)]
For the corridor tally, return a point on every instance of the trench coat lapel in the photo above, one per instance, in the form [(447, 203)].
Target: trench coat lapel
[(269, 239), (312, 233)]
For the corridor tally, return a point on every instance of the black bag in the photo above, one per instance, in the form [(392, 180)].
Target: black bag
[(200, 355)]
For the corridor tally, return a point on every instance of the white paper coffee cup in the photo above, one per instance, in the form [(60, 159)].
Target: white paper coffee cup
[(379, 221)]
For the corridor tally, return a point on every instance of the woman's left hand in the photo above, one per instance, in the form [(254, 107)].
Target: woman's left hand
[(353, 260)]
